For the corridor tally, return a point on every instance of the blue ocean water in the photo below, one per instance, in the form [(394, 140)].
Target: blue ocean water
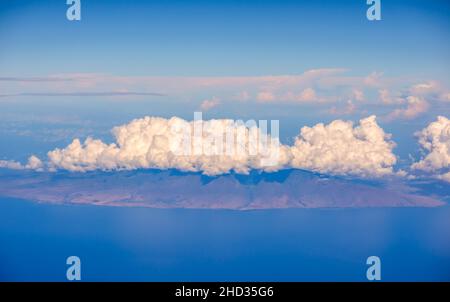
[(141, 244)]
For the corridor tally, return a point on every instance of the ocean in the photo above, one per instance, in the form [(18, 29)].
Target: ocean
[(144, 244)]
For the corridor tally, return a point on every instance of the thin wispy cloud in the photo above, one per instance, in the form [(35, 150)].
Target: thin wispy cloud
[(336, 88), (83, 94), (37, 79)]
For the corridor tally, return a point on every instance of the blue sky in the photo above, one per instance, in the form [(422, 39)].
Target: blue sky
[(300, 62), (224, 37)]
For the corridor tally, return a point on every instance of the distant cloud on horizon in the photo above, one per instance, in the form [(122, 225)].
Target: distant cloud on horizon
[(210, 103), (348, 94)]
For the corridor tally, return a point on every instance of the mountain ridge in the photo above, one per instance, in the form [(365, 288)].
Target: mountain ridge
[(174, 189)]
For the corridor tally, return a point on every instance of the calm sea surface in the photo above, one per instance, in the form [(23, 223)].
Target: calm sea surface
[(139, 244)]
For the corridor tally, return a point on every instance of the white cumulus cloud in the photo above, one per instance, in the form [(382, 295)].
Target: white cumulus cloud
[(153, 142), (220, 146), (340, 148), (11, 164), (435, 140), (34, 163)]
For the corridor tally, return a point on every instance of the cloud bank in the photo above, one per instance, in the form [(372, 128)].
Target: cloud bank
[(339, 148), (159, 143), (222, 146)]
